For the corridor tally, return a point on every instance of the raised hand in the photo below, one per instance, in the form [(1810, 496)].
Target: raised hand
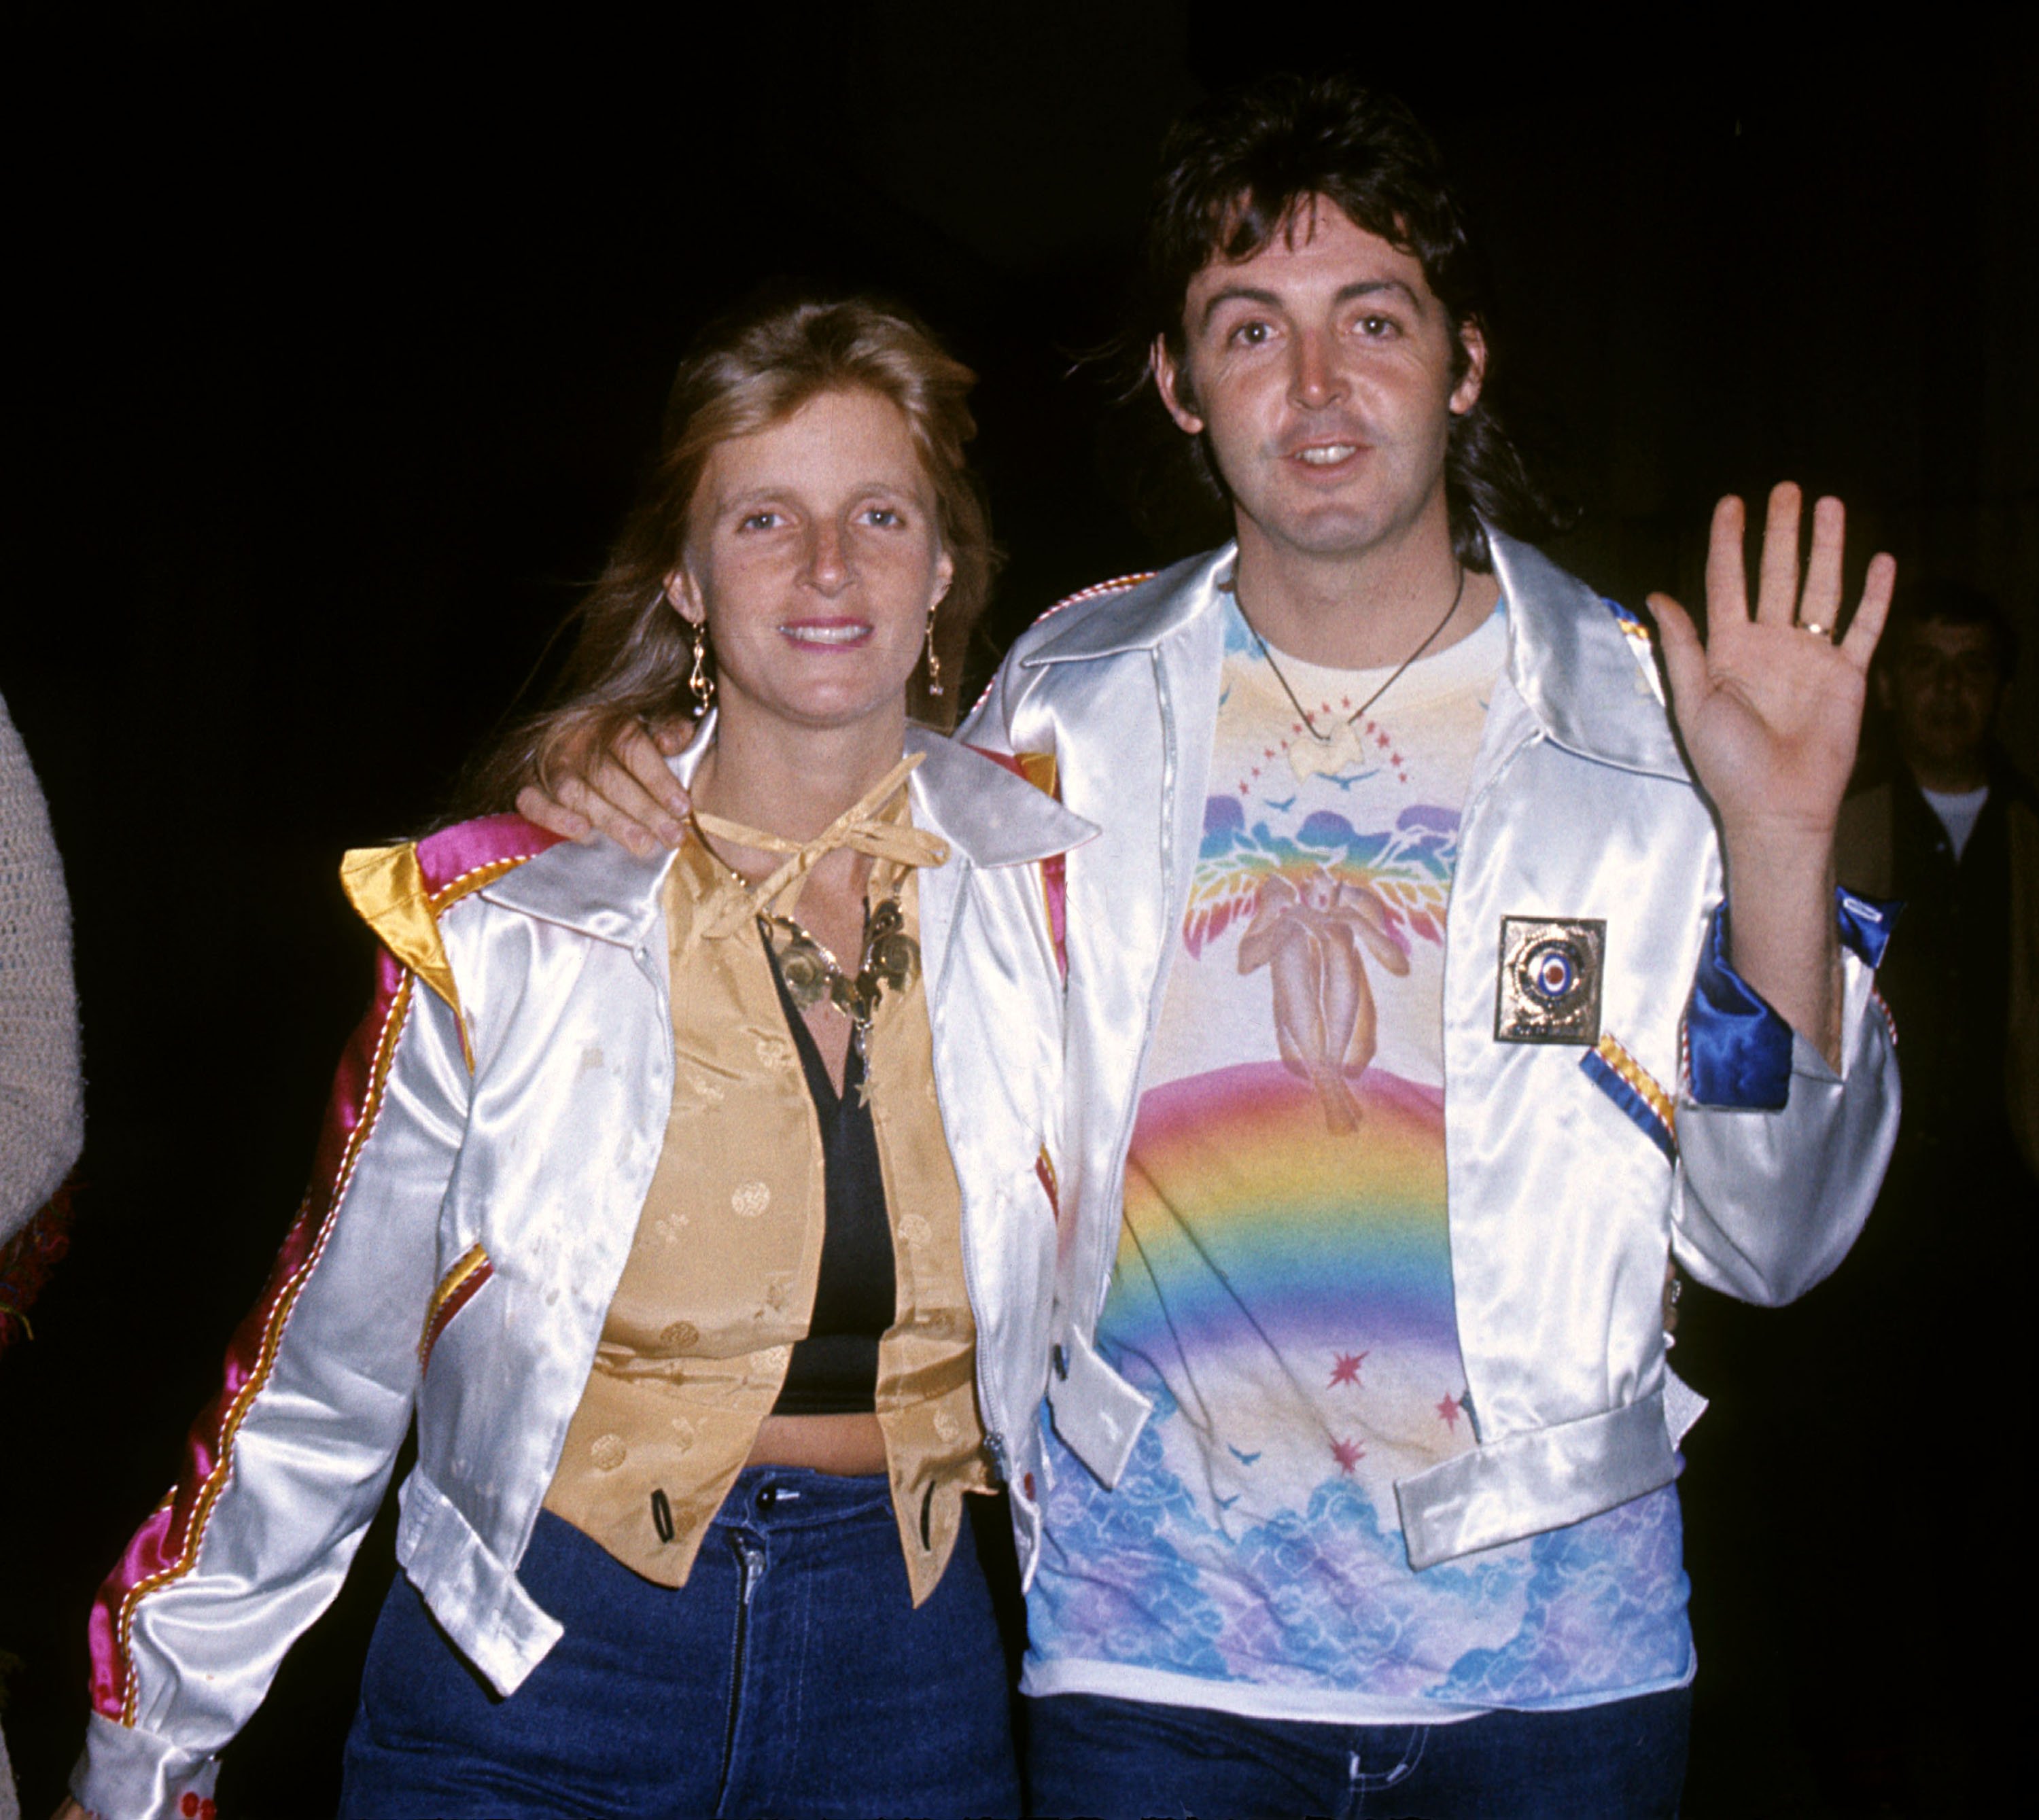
[(1770, 706), (624, 790)]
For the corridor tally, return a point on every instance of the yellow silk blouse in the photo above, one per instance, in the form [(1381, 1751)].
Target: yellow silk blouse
[(721, 1275)]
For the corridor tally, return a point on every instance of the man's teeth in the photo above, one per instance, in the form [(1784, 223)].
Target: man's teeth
[(825, 635), (1324, 456)]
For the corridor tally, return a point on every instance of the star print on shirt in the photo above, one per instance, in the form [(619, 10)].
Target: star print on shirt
[(1448, 1412), (1346, 1370), (1348, 1454)]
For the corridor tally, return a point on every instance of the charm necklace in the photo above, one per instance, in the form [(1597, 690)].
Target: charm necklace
[(890, 958)]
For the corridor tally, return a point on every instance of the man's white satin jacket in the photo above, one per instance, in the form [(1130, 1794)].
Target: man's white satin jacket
[(491, 1140), (1563, 1203)]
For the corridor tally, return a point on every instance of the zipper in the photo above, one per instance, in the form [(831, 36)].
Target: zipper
[(752, 1556)]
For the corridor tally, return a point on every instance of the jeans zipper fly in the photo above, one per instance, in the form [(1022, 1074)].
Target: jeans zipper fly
[(752, 1556)]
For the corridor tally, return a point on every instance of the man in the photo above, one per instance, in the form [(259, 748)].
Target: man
[(1358, 1474), (1954, 833)]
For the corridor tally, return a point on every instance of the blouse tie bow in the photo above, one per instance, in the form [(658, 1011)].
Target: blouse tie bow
[(860, 828)]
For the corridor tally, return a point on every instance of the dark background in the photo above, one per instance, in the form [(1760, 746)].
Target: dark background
[(340, 339)]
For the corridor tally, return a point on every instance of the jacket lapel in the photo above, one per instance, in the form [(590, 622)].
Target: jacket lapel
[(982, 811)]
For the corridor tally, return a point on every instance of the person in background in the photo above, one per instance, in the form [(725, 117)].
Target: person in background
[(42, 1088), (1954, 834)]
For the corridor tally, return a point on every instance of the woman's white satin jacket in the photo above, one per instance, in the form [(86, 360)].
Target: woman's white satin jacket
[(1562, 1209), (514, 1120)]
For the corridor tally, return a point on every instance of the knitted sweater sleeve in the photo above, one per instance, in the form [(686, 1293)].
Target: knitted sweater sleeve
[(42, 1097)]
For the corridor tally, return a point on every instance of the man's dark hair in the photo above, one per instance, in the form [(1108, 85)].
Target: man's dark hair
[(1954, 604), (1234, 170)]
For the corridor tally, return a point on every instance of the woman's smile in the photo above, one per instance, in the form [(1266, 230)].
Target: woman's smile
[(826, 632)]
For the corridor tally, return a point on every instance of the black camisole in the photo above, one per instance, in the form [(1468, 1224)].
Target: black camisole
[(834, 1372)]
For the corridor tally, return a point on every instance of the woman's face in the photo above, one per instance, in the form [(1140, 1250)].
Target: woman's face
[(813, 551)]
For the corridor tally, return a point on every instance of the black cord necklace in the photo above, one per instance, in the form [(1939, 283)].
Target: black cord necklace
[(1351, 719)]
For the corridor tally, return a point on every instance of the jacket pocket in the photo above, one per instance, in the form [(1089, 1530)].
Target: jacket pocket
[(456, 1289)]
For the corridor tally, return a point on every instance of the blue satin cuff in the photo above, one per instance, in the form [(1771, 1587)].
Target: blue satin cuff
[(1738, 1049)]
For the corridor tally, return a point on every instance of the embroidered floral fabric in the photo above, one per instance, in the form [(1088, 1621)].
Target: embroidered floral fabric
[(1283, 1283)]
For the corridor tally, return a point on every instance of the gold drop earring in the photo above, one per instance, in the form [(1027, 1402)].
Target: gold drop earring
[(934, 662), (701, 682)]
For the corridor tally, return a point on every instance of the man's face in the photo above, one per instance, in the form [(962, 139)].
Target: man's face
[(1942, 688), (1323, 369)]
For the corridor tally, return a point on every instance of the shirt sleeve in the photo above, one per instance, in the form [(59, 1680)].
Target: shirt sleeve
[(42, 1100)]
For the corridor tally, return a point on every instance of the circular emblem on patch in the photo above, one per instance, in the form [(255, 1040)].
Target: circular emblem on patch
[(1551, 971), (608, 1452)]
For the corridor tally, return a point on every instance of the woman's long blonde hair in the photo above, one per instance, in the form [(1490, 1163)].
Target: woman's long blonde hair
[(631, 652)]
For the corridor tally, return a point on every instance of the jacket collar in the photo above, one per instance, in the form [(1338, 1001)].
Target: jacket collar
[(1139, 619), (983, 811), (1568, 658), (1571, 663)]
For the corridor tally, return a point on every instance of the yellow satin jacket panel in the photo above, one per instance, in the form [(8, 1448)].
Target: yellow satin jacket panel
[(721, 1275)]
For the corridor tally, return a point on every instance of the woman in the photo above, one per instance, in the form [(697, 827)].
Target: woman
[(635, 1189)]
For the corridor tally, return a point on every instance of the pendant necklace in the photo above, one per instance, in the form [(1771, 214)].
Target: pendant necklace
[(1353, 719), (890, 958)]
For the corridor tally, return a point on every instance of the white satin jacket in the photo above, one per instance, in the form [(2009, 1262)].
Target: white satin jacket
[(1572, 1173), (491, 1137)]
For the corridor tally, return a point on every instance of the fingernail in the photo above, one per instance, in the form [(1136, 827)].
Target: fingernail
[(670, 833)]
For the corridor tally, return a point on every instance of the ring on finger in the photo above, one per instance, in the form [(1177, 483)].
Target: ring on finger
[(1817, 630)]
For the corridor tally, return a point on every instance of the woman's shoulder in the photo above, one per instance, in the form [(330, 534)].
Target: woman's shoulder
[(455, 860), (402, 890)]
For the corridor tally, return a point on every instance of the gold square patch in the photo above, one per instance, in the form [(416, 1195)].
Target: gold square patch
[(1550, 980)]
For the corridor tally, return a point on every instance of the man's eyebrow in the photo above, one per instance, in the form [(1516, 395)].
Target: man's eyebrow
[(1372, 287), (1238, 294), (1268, 299)]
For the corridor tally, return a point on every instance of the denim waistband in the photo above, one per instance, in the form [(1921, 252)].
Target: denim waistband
[(799, 1497)]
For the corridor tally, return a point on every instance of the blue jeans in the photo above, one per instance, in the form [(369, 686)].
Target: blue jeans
[(790, 1675), (1623, 1761)]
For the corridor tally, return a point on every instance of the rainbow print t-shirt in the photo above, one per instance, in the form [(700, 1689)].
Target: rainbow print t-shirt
[(1283, 1284)]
